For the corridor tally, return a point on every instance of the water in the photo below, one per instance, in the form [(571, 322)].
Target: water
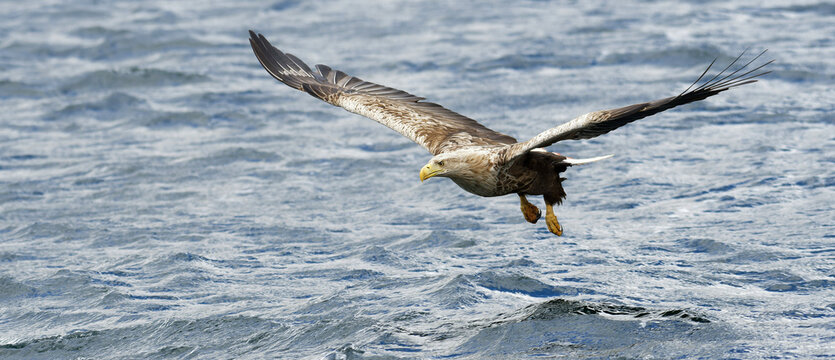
[(162, 197)]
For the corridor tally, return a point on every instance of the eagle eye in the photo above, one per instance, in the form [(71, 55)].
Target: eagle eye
[(441, 163)]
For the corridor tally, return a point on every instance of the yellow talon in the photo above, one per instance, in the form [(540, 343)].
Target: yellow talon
[(531, 212), (551, 220)]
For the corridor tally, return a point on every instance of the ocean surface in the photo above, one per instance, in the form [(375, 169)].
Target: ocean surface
[(162, 197)]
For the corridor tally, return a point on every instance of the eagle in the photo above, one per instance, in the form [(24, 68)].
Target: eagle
[(480, 160)]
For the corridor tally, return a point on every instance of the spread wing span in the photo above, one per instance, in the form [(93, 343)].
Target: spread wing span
[(600, 122), (430, 125)]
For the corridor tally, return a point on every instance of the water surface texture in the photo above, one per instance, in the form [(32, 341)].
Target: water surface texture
[(161, 197)]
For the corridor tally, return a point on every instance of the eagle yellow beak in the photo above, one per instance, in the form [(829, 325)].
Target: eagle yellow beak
[(429, 171)]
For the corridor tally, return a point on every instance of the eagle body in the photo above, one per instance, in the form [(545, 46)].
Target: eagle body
[(478, 159), (538, 173), (483, 171)]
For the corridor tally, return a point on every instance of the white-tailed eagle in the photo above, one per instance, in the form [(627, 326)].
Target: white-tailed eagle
[(480, 160)]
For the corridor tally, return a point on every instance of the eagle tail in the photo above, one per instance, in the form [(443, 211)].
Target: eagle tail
[(572, 161)]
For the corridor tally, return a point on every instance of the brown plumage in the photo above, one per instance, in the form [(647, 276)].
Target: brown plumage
[(478, 159)]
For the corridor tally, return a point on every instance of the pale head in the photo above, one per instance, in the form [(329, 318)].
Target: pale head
[(457, 164)]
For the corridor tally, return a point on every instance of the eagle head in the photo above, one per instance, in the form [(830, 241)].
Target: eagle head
[(435, 167), (451, 165)]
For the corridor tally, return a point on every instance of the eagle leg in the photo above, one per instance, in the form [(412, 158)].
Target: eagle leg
[(551, 220), (531, 212)]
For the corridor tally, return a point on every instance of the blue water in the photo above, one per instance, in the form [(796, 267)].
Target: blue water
[(161, 197)]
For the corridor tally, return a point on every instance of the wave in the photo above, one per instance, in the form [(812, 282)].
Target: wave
[(212, 336), (682, 56), (115, 106), (520, 284), (14, 89), (129, 78), (235, 154), (577, 329)]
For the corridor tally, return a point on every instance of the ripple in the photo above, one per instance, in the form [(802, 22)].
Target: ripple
[(112, 107), (156, 339), (14, 89), (385, 147), (98, 31), (380, 255), (708, 246), (54, 231), (821, 8), (129, 78), (10, 289), (529, 61), (682, 56), (284, 5), (803, 76), (119, 44), (235, 154), (177, 119), (436, 239)]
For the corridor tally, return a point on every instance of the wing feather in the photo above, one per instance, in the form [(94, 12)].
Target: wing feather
[(600, 122), (430, 125)]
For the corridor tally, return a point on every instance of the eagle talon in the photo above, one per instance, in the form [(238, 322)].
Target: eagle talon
[(553, 225), (532, 214), (551, 220), (530, 211)]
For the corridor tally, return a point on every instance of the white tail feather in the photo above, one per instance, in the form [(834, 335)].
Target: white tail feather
[(572, 161)]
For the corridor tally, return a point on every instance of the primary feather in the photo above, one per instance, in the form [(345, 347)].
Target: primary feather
[(430, 125), (598, 123)]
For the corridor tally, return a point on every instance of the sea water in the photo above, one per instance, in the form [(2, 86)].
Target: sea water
[(162, 197)]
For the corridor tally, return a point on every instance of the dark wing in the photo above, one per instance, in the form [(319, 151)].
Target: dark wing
[(600, 122), (430, 125)]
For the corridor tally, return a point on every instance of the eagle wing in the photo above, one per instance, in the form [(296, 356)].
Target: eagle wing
[(430, 125), (598, 123)]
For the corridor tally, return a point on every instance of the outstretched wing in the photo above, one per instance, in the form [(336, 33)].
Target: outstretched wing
[(600, 122), (428, 124)]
